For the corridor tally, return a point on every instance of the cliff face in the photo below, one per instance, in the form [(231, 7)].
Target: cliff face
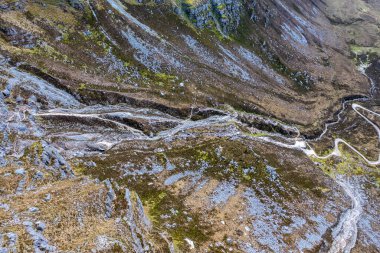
[(223, 15), (185, 126)]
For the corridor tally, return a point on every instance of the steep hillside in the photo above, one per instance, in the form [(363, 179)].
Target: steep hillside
[(264, 57), (189, 126)]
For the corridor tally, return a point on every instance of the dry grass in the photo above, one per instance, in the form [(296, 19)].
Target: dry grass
[(52, 13), (17, 18), (74, 216)]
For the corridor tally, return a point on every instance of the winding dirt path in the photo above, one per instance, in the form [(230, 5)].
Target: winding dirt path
[(345, 233), (309, 151)]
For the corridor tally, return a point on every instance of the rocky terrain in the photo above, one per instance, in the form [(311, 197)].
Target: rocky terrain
[(189, 126)]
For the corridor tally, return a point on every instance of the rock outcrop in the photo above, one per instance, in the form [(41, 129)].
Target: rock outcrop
[(223, 15)]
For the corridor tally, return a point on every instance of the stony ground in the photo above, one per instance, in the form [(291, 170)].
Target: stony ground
[(160, 126)]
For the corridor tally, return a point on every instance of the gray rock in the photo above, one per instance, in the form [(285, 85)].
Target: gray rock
[(110, 198), (12, 5), (229, 241), (10, 245), (76, 4), (21, 185), (38, 176), (130, 218), (40, 226), (224, 14), (19, 99), (20, 171), (96, 147), (12, 239), (6, 93), (4, 207), (51, 157), (33, 209), (40, 243), (90, 164), (47, 197), (18, 37), (8, 31)]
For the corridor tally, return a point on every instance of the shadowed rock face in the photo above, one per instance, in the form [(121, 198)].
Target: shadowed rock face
[(178, 126), (223, 15)]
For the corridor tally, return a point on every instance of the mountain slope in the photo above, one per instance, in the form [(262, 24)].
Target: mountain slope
[(269, 58), (189, 126)]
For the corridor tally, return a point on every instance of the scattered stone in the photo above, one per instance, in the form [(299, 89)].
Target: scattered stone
[(38, 176), (76, 4), (40, 243), (4, 206), (239, 232), (110, 198), (90, 164), (51, 157), (47, 197), (219, 245), (9, 244), (19, 99), (18, 37), (40, 226), (33, 209), (21, 185), (20, 171), (190, 243), (87, 33), (105, 244), (97, 147)]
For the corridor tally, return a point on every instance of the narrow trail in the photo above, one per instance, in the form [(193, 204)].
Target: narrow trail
[(345, 233), (301, 144), (339, 118), (337, 141)]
